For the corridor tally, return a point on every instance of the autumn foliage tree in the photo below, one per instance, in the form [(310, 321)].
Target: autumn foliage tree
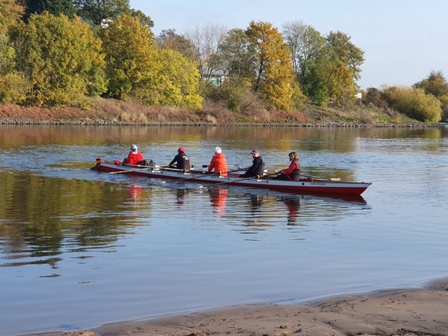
[(13, 85), (178, 81), (137, 69), (274, 72), (61, 59)]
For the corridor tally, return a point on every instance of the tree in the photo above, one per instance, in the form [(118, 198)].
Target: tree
[(178, 81), (54, 7), (375, 97), (144, 19), (61, 58), (436, 85), (137, 69), (169, 39), (10, 14), (132, 60), (305, 44), (274, 71), (326, 67), (342, 88), (346, 52), (99, 12), (206, 40), (236, 56), (311, 60)]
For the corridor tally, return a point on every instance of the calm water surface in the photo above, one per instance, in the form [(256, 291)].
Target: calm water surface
[(80, 248)]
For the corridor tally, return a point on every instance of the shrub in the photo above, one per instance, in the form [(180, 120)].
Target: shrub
[(414, 103)]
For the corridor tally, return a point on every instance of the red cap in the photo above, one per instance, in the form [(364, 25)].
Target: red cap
[(181, 149)]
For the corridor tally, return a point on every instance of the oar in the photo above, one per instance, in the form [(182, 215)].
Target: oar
[(321, 178), (140, 168), (242, 179), (127, 171), (206, 174)]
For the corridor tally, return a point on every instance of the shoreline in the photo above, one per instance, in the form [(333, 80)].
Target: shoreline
[(32, 122), (408, 311)]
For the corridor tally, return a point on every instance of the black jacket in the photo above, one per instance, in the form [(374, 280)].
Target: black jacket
[(257, 168), (182, 160)]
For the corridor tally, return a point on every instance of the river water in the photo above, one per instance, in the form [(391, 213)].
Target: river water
[(80, 248)]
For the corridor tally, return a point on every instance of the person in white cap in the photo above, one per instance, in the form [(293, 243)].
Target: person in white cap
[(135, 157), (257, 168), (218, 163)]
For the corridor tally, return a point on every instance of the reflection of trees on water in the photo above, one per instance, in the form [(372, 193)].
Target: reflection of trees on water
[(42, 218)]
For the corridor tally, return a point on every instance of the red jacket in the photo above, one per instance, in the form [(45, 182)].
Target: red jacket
[(134, 157), (293, 171), (218, 163)]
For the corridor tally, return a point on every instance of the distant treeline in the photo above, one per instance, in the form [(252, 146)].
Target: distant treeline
[(62, 52)]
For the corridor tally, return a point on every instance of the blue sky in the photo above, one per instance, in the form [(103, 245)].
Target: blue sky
[(403, 41)]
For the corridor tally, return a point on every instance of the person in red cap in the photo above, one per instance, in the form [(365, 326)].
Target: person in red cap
[(180, 161)]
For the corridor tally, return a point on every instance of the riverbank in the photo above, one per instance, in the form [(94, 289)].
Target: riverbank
[(409, 312), (112, 112)]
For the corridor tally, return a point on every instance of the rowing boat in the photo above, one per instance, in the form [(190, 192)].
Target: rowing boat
[(305, 185)]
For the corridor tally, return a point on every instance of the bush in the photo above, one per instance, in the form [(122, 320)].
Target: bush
[(414, 103)]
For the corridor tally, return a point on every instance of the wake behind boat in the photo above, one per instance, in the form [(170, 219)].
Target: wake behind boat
[(305, 185)]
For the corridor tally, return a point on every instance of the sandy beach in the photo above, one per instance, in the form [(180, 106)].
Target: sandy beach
[(391, 312)]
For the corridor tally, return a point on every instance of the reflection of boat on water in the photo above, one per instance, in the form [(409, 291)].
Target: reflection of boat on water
[(260, 193), (265, 201), (307, 185), (218, 198)]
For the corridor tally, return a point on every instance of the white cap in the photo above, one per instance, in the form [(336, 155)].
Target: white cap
[(133, 148), (218, 150)]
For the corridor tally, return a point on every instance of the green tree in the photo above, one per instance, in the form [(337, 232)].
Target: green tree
[(61, 58), (99, 12), (311, 60), (144, 19), (236, 56), (54, 7), (274, 72), (305, 44), (235, 59), (346, 52)]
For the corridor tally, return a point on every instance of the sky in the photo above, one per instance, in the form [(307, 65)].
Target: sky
[(403, 41)]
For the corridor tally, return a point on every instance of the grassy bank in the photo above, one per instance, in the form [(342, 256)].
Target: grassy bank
[(114, 112)]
